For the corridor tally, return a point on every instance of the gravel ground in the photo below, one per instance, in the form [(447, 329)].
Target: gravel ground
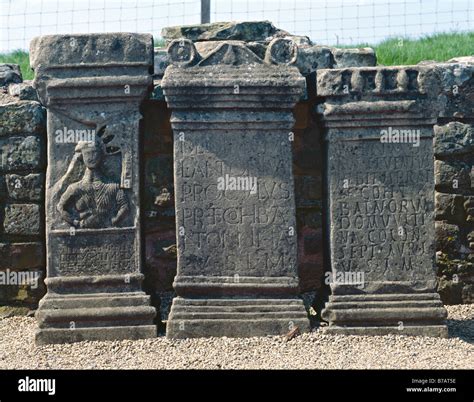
[(314, 350)]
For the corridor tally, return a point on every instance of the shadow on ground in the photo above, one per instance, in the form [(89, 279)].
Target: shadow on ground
[(462, 329)]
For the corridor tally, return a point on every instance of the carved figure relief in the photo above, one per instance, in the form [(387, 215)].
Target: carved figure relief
[(95, 201)]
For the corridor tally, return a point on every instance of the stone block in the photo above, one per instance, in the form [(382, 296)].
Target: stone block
[(23, 91), (22, 117), (9, 74), (22, 219), (360, 57), (28, 187)]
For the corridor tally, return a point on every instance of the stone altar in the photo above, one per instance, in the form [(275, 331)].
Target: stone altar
[(92, 86), (234, 193), (380, 184)]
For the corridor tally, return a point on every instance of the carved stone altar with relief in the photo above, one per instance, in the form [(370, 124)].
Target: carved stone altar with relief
[(92, 86)]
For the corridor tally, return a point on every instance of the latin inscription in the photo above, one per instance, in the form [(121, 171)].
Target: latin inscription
[(95, 254), (229, 232), (382, 209)]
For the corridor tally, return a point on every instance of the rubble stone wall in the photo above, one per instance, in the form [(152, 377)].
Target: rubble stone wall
[(22, 175)]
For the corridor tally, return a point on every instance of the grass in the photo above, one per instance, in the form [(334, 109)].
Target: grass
[(19, 57), (440, 47), (391, 52)]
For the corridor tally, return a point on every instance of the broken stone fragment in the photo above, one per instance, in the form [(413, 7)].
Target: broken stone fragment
[(25, 187), (246, 31), (447, 238), (164, 199), (452, 176), (171, 251), (450, 291), (454, 138), (9, 74), (449, 207), (293, 334), (358, 57), (469, 208), (23, 91)]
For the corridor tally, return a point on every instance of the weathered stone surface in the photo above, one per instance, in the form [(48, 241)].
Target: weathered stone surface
[(237, 273), (456, 278), (258, 48), (467, 294), (452, 176), (23, 91), (469, 208), (470, 239), (22, 117), (453, 84), (282, 51), (22, 256), (306, 56), (205, 48), (449, 291), (309, 58), (246, 31), (9, 74), (360, 57), (93, 86), (454, 138), (447, 238), (22, 219), (449, 207), (28, 187), (21, 153), (381, 201), (463, 60), (456, 89), (312, 58)]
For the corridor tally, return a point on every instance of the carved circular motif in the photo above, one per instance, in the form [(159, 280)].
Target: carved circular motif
[(282, 51), (182, 51)]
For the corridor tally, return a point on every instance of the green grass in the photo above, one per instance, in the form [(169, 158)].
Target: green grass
[(19, 57), (391, 52), (440, 47)]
